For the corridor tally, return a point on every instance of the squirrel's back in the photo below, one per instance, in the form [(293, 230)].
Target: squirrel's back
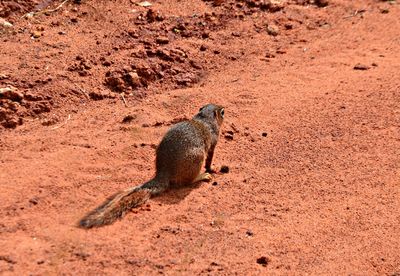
[(185, 144)]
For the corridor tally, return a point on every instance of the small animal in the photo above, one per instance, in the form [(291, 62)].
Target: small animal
[(179, 159)]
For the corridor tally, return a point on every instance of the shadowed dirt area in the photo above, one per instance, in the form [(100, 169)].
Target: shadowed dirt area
[(311, 136)]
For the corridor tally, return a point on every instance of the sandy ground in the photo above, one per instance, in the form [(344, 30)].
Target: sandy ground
[(314, 179)]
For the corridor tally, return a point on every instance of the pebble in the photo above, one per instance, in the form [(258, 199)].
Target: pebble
[(144, 4), (11, 93), (273, 30), (162, 40), (36, 34), (229, 137), (133, 79), (224, 169), (360, 66), (321, 3), (384, 10), (5, 23), (99, 95), (128, 118), (34, 200), (249, 233), (263, 261)]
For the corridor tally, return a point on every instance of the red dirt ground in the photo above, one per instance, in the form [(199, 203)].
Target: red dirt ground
[(314, 179)]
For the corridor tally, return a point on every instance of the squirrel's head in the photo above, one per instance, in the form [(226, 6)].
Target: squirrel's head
[(212, 113)]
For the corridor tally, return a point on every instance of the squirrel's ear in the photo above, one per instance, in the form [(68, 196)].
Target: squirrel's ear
[(222, 112)]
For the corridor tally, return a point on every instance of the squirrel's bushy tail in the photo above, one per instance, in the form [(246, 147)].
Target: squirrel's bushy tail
[(116, 206)]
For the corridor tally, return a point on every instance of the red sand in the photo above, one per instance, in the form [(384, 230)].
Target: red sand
[(314, 179)]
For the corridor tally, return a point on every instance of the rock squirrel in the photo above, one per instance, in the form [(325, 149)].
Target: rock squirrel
[(179, 158)]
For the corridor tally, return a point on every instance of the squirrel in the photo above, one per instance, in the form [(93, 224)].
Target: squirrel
[(179, 159)]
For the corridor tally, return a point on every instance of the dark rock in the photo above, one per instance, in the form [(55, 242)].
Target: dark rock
[(264, 261), (162, 40), (34, 200), (11, 93), (249, 233), (224, 169), (321, 3), (360, 66), (128, 118)]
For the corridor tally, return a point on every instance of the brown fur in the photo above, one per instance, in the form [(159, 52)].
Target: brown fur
[(179, 159)]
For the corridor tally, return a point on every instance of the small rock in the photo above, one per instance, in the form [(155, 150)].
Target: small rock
[(273, 30), (5, 23), (3, 76), (32, 97), (106, 63), (50, 122), (12, 122), (249, 233), (224, 169), (321, 3), (360, 66), (215, 183), (272, 5), (11, 93), (151, 15), (384, 10), (264, 134), (288, 26), (115, 83), (236, 34), (128, 118), (133, 79), (34, 200), (195, 65), (40, 262), (228, 137), (162, 40), (98, 95), (203, 48), (133, 33), (36, 34), (263, 261), (144, 4), (205, 35)]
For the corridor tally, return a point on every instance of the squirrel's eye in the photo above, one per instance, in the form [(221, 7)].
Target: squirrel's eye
[(222, 112)]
